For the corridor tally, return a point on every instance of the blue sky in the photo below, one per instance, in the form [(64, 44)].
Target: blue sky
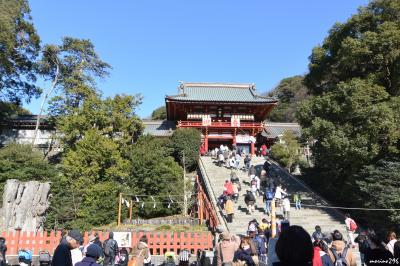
[(152, 45)]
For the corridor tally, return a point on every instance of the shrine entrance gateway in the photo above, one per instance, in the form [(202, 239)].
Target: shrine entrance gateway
[(224, 113)]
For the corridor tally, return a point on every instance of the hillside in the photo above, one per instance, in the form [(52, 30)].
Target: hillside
[(290, 92)]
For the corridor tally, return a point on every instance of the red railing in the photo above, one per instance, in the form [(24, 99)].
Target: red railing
[(217, 124), (204, 207), (159, 242)]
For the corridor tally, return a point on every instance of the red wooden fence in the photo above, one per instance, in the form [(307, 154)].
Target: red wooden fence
[(159, 242)]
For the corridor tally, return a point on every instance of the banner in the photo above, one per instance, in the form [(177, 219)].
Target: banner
[(235, 121), (206, 121)]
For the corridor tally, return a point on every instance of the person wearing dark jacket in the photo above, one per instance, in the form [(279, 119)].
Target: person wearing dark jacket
[(93, 253), (62, 254), (250, 200), (110, 250), (377, 252), (245, 253), (3, 250)]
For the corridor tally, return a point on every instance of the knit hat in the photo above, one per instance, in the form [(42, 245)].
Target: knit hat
[(93, 251)]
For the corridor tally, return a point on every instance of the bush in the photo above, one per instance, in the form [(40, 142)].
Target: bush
[(187, 141)]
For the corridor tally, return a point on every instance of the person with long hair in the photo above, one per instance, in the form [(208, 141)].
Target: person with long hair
[(244, 253)]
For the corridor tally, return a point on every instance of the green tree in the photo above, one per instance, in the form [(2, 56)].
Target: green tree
[(290, 92), (19, 49), (380, 188), (186, 141), (159, 114), (155, 173), (286, 153), (93, 173), (113, 117), (18, 161), (353, 112), (72, 68)]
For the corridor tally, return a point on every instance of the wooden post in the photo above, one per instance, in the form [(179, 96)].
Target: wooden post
[(273, 218), (185, 202), (130, 211), (18, 230), (119, 209)]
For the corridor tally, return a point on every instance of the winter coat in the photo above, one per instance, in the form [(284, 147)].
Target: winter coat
[(229, 208), (87, 261), (321, 258), (339, 245), (278, 192), (62, 254), (244, 255), (228, 249), (249, 197)]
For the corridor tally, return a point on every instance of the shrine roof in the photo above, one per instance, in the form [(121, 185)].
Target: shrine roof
[(274, 129), (219, 92), (159, 128)]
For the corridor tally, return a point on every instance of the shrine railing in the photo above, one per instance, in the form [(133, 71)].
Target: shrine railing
[(217, 124), (158, 242), (205, 209)]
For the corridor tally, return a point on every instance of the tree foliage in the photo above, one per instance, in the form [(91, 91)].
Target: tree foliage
[(186, 141), (19, 161), (93, 165), (159, 114), (19, 49), (286, 153), (290, 92), (97, 140), (380, 188), (353, 112), (154, 172)]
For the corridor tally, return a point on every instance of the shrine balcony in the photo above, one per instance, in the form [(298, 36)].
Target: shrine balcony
[(218, 124)]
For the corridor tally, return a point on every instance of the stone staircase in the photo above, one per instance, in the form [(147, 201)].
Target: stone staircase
[(307, 217)]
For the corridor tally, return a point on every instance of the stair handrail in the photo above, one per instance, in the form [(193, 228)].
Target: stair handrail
[(210, 192)]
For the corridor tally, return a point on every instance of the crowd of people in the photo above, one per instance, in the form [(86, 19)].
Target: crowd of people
[(262, 187), (294, 246)]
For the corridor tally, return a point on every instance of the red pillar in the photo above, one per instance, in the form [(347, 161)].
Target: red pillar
[(206, 143), (252, 148)]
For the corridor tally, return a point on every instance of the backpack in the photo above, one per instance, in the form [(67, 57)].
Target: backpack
[(44, 257), (353, 225), (108, 248), (340, 260), (260, 242), (123, 258), (269, 195)]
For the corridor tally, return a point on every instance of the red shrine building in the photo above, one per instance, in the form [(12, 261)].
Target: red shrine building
[(224, 113)]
